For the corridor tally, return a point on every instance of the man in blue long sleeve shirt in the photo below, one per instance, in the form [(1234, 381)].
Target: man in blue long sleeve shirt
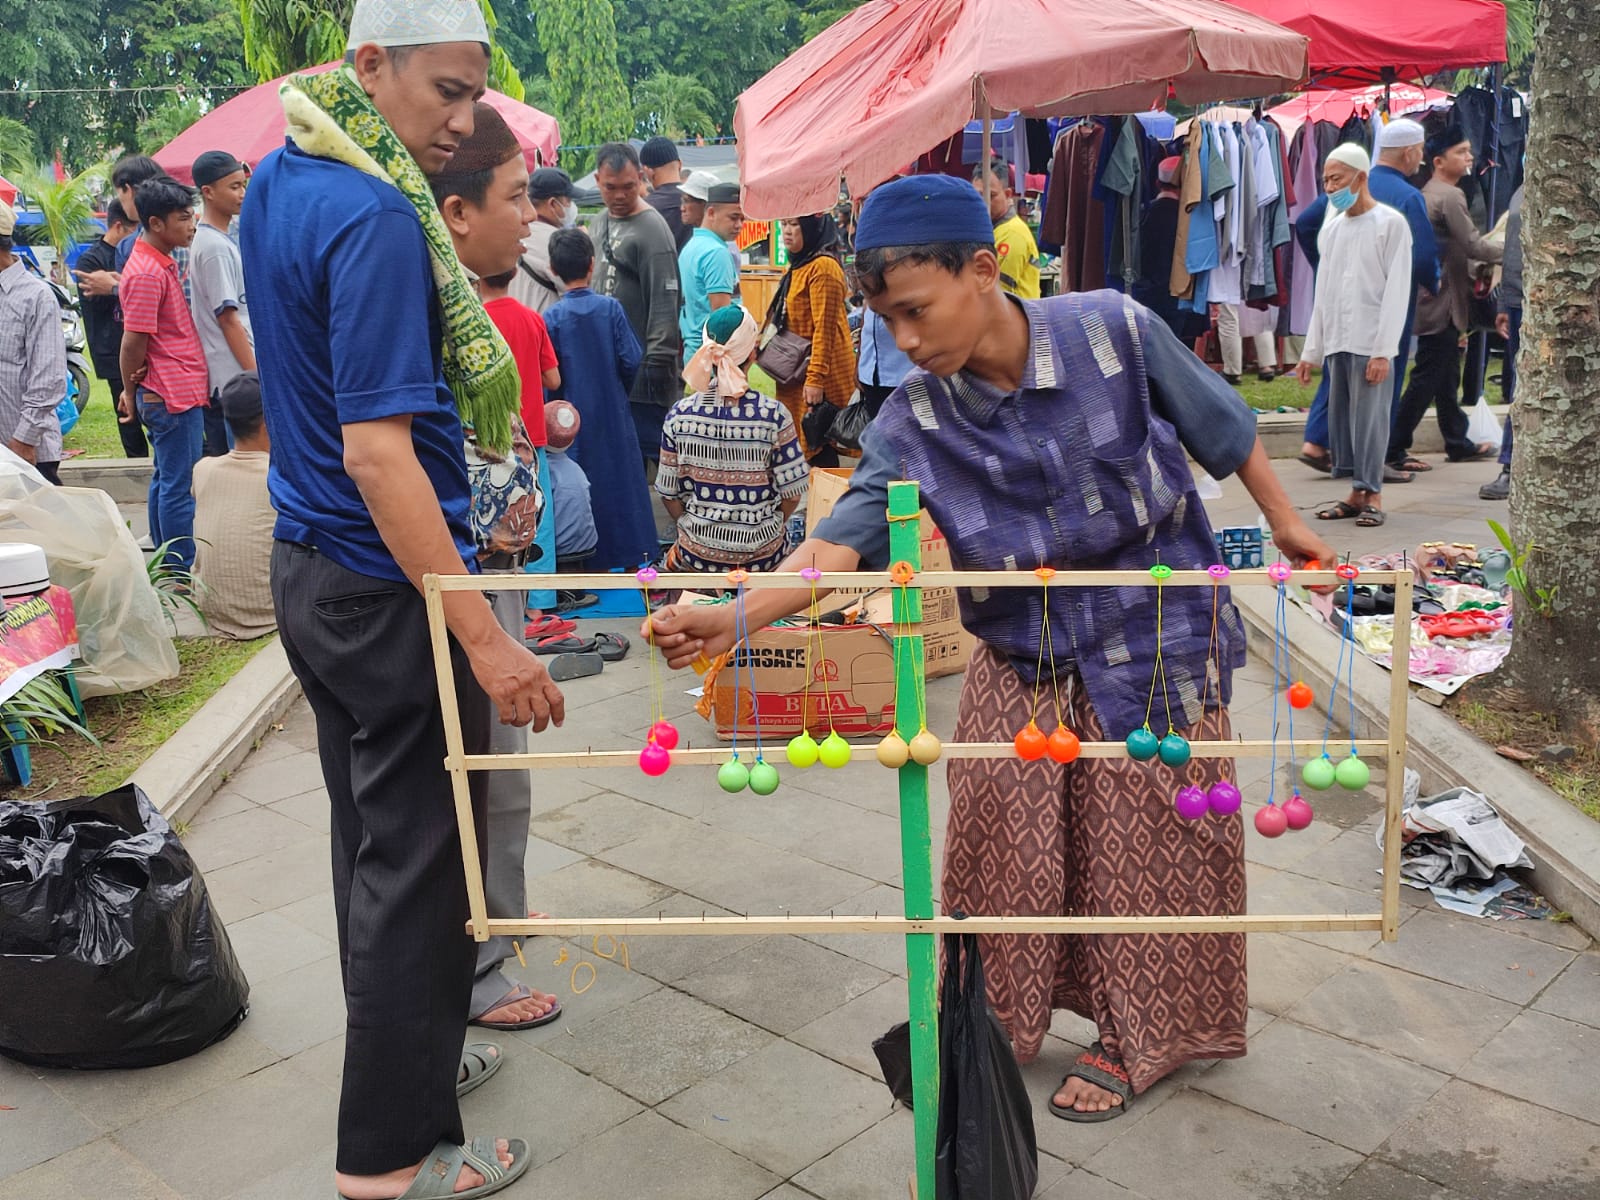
[(1399, 155)]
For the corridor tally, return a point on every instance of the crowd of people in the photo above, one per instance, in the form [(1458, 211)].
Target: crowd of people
[(512, 392)]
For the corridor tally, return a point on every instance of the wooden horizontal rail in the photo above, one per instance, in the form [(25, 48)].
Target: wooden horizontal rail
[(858, 580), (773, 750), (762, 926)]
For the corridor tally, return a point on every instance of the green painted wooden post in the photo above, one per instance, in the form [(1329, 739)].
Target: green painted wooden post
[(916, 845)]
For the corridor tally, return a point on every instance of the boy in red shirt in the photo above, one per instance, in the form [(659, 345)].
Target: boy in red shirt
[(163, 364), (525, 333)]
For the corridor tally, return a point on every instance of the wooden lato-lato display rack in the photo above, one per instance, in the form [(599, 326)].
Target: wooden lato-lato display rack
[(920, 924)]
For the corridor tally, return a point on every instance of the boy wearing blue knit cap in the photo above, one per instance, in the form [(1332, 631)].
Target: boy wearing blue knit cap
[(1053, 433)]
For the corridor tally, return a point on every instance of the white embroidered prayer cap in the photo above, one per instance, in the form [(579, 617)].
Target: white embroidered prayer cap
[(416, 23)]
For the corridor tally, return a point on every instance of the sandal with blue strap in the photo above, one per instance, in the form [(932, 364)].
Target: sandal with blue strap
[(437, 1178)]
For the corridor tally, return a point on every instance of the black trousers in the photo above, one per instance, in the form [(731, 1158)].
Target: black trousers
[(1435, 383), (360, 649), (132, 434)]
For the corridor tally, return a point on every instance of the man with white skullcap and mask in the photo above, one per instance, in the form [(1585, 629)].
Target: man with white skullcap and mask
[(1362, 294), (1399, 157), (374, 352)]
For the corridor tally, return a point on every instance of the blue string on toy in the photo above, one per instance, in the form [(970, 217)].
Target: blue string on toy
[(742, 631), (1279, 673), (1346, 645)]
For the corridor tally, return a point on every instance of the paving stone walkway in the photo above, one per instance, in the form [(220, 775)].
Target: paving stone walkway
[(1456, 1064)]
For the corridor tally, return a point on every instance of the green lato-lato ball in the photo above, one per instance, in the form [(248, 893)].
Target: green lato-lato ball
[(1142, 745), (763, 778), (1174, 750), (733, 776), (1319, 773), (1352, 774)]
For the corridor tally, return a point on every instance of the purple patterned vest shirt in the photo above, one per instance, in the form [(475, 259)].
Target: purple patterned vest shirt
[(1074, 471)]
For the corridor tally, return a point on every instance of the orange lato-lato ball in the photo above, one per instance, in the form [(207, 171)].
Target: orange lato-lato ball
[(1030, 742), (1063, 745), (1300, 695)]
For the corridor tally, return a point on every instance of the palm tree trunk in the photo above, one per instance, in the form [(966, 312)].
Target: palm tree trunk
[(1555, 495)]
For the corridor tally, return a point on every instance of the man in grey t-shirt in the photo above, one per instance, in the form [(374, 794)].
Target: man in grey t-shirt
[(216, 285), (636, 262)]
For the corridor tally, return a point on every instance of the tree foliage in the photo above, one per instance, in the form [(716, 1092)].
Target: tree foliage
[(289, 35), (682, 37), (674, 105), (66, 208), (587, 93), (17, 148), (823, 13), (47, 50)]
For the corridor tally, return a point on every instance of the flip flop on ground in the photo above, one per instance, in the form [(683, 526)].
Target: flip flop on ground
[(548, 625), (1371, 517), (1413, 465), (613, 647), (1319, 462), (563, 643), (566, 667), (1095, 1066)]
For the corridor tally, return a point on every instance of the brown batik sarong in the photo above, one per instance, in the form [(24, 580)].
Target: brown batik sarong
[(1096, 838)]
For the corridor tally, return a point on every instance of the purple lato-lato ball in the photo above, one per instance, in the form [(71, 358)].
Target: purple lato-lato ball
[(1191, 803)]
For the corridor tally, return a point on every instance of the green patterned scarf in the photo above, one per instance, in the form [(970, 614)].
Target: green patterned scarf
[(331, 116)]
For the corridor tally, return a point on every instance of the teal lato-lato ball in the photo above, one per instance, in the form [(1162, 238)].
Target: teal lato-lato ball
[(733, 776), (1352, 774), (1142, 745), (1319, 773), (1174, 750)]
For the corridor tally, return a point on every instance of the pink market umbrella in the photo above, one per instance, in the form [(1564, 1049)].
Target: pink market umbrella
[(896, 77), (250, 126), (1339, 105)]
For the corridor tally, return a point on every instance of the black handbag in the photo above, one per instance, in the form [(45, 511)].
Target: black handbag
[(784, 354)]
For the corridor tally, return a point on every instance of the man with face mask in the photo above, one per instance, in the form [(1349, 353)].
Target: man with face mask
[(555, 201), (366, 412), (1399, 158), (1363, 290)]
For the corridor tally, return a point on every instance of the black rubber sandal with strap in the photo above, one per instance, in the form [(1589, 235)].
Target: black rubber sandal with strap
[(1095, 1066)]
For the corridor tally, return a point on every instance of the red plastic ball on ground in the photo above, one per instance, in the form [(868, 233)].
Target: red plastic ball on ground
[(1300, 695), (1030, 743), (1296, 812), (654, 759), (664, 734), (1063, 744), (1270, 821)]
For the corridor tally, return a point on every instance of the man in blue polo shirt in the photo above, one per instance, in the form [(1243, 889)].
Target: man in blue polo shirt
[(371, 490), (705, 268), (1399, 157)]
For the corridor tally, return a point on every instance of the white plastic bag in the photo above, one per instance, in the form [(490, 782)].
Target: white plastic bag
[(123, 633), (1482, 427)]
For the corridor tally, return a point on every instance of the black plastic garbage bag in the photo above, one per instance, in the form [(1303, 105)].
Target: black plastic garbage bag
[(110, 952), (985, 1141)]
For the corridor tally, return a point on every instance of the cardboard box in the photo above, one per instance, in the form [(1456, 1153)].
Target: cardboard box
[(946, 644), (852, 677)]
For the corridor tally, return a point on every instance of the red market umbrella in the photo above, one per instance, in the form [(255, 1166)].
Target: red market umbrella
[(8, 190), (896, 77), (250, 126), (1338, 105), (1379, 40)]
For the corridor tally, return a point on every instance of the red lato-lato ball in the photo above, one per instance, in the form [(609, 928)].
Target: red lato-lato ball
[(664, 734), (1296, 812), (1300, 695), (1270, 821)]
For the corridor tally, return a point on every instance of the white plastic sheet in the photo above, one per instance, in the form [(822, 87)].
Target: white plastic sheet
[(123, 634)]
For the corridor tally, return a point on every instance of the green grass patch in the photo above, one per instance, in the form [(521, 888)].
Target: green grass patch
[(131, 726), (1503, 719), (1283, 392)]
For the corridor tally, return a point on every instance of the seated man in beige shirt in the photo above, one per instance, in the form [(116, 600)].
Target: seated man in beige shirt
[(233, 520)]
